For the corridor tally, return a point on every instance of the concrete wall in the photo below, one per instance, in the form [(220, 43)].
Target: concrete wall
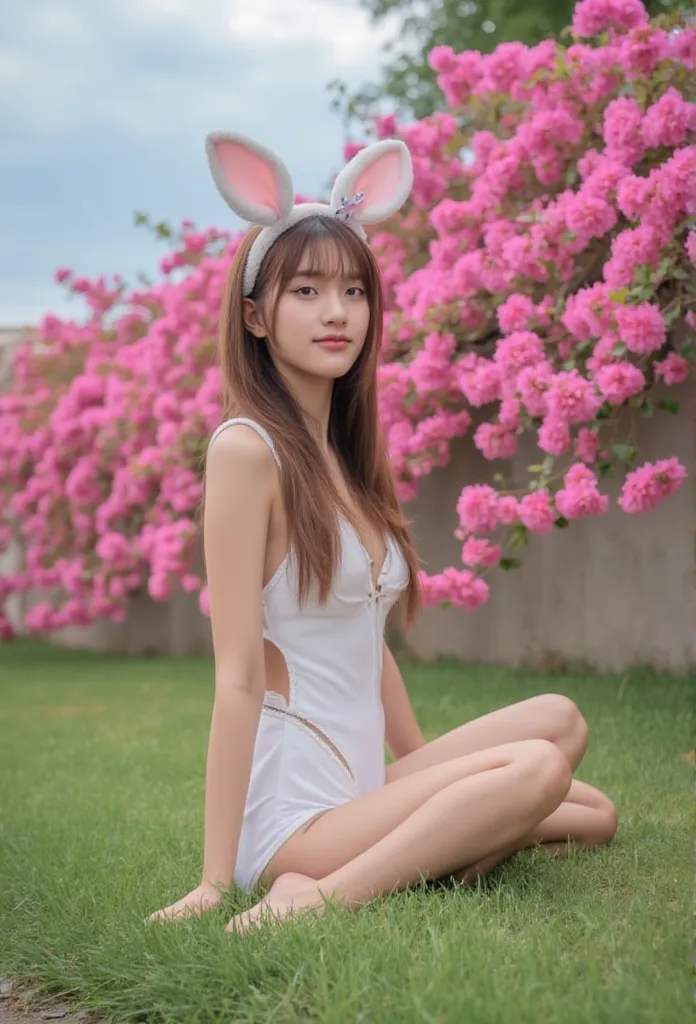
[(611, 592)]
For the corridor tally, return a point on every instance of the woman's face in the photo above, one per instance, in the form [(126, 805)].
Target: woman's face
[(321, 323)]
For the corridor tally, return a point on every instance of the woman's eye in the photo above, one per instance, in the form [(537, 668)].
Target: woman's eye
[(305, 289), (356, 291)]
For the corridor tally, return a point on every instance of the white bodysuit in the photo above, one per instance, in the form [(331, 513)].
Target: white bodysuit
[(323, 746)]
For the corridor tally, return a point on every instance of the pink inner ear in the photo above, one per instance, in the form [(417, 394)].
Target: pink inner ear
[(380, 181), (249, 175)]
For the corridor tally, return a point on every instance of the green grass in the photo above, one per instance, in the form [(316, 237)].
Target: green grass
[(101, 776)]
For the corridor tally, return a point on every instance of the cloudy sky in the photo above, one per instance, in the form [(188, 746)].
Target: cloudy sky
[(104, 106)]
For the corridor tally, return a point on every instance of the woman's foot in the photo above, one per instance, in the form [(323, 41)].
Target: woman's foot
[(289, 895)]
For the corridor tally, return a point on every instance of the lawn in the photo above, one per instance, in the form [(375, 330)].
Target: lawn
[(101, 776)]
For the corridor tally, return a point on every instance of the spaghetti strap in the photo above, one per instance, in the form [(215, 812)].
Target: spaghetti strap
[(261, 431)]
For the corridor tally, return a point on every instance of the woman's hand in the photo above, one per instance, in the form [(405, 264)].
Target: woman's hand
[(204, 897)]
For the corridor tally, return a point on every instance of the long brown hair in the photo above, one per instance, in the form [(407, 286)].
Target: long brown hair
[(253, 387)]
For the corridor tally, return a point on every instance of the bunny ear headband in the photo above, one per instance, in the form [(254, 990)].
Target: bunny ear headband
[(256, 184)]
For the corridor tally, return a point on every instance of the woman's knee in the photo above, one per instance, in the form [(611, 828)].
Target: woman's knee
[(564, 722), (546, 775)]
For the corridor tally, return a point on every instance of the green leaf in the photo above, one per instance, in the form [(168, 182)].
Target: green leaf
[(509, 563), (669, 405), (672, 315), (499, 479), (663, 266), (548, 463), (619, 295), (605, 468), (535, 469), (568, 364), (518, 536), (647, 410), (624, 452), (562, 523), (619, 349)]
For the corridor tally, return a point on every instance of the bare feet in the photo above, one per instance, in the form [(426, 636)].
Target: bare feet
[(289, 895)]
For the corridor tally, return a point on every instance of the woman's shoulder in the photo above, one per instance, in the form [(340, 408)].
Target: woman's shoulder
[(237, 447), (241, 438)]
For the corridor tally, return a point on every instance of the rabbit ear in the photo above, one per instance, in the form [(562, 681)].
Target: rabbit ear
[(250, 178), (375, 184)]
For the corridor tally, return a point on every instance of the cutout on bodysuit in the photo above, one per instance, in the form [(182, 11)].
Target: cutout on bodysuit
[(277, 675), (278, 685)]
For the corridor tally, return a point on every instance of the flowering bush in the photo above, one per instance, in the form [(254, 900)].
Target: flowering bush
[(101, 440), (544, 270)]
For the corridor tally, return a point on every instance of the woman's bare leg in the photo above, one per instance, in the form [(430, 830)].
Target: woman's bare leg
[(549, 716), (586, 819), (426, 825)]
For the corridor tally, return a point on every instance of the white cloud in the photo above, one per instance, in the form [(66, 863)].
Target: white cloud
[(104, 105), (145, 66), (343, 31)]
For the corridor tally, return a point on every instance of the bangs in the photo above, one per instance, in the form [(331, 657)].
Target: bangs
[(321, 247), (330, 257)]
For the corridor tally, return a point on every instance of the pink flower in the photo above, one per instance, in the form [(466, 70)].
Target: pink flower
[(479, 379), (523, 348), (673, 369), (386, 126), (351, 149), (641, 328), (507, 509), (553, 436), (477, 508), (623, 136), (586, 445), (430, 369), (495, 441), (515, 313), (572, 398), (668, 121), (648, 485), (62, 274), (580, 496), (588, 312), (477, 551), (504, 66), (631, 249), (603, 353), (533, 384), (591, 17), (462, 588), (633, 196), (443, 59), (642, 50), (590, 216), (620, 381), (536, 512)]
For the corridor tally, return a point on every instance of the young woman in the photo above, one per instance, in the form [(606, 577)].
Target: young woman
[(306, 553)]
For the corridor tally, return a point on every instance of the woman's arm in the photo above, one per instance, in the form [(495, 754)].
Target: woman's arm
[(403, 733), (240, 477), (240, 480)]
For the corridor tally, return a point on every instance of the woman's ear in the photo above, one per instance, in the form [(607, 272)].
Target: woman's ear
[(252, 319)]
